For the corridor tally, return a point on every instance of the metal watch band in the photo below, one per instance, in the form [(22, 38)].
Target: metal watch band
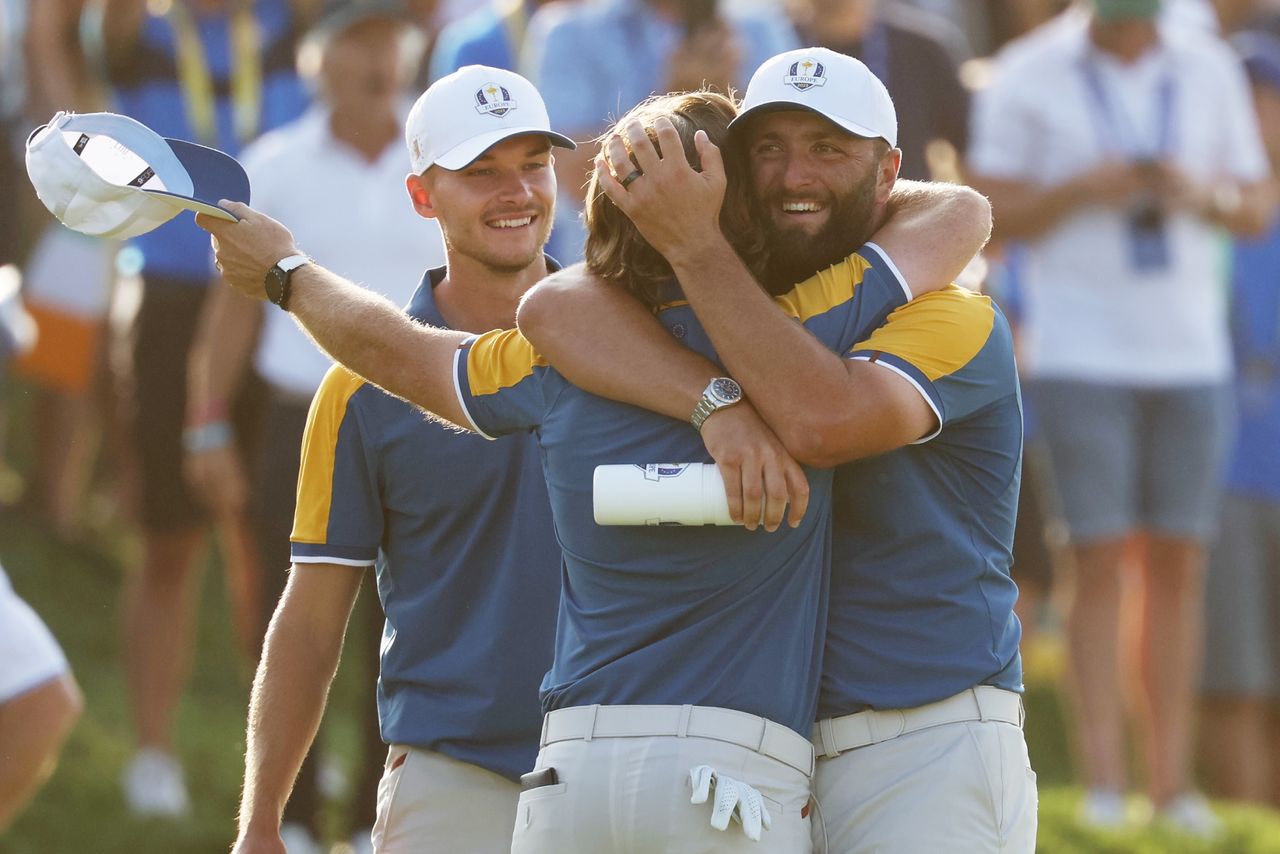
[(712, 401), (701, 412)]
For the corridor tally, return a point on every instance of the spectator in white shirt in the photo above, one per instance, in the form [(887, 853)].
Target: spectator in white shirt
[(1119, 150)]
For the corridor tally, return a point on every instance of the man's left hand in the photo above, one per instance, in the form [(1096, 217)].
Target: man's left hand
[(761, 480), (675, 207), (245, 250)]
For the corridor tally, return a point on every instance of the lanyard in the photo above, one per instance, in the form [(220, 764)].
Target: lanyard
[(1114, 125), (196, 80)]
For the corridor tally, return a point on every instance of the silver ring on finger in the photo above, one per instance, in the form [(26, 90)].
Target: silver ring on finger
[(630, 179)]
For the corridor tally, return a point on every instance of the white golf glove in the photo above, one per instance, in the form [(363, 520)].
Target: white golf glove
[(734, 799)]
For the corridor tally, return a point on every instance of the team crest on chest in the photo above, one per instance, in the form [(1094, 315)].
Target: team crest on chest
[(494, 100), (805, 74)]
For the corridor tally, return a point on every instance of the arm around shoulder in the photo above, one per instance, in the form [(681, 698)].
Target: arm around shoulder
[(362, 330), (605, 341), (933, 231), (885, 412)]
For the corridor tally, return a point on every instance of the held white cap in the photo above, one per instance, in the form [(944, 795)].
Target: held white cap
[(462, 115), (833, 85), (107, 175)]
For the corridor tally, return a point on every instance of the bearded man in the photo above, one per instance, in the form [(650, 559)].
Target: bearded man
[(919, 734)]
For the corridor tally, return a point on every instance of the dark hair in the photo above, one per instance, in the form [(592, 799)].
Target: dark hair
[(615, 250)]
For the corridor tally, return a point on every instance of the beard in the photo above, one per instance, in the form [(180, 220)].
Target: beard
[(795, 255)]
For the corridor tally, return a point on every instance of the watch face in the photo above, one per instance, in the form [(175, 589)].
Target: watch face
[(275, 284), (726, 389)]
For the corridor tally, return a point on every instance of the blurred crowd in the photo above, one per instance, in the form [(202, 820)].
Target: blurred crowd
[(1130, 149)]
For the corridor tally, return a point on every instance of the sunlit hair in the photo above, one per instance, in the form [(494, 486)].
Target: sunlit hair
[(616, 252)]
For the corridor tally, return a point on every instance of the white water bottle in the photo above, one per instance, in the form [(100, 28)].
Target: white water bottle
[(660, 494)]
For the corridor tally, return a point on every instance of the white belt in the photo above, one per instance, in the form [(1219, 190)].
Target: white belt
[(745, 730), (834, 736)]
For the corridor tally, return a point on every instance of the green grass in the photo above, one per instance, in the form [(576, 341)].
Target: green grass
[(81, 811)]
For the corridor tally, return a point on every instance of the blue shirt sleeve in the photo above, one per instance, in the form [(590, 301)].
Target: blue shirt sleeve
[(500, 380), (845, 302), (953, 345), (338, 518)]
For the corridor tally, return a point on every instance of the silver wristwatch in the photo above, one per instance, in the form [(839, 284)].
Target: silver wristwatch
[(719, 393)]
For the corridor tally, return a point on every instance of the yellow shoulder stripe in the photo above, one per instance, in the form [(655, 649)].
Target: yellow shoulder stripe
[(319, 450), (825, 290), (500, 359), (938, 332)]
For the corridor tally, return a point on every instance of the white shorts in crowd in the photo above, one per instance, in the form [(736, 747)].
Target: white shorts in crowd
[(29, 655)]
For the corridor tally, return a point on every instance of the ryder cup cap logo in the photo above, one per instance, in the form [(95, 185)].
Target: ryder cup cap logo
[(805, 74), (855, 99), (465, 113), (494, 100)]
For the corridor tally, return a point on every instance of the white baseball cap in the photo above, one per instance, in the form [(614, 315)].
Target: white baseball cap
[(107, 175), (462, 115), (835, 86)]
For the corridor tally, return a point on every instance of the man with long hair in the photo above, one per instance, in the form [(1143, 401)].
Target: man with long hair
[(922, 416)]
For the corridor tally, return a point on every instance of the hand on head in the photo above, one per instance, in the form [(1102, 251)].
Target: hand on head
[(246, 249), (672, 204)]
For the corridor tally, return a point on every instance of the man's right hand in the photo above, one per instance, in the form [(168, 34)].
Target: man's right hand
[(245, 250), (760, 477)]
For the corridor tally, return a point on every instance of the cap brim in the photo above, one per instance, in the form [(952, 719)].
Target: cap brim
[(215, 175), (187, 203), (463, 154), (784, 106)]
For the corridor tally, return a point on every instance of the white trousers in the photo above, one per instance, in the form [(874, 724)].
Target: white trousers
[(631, 793), (964, 787), (429, 802)]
